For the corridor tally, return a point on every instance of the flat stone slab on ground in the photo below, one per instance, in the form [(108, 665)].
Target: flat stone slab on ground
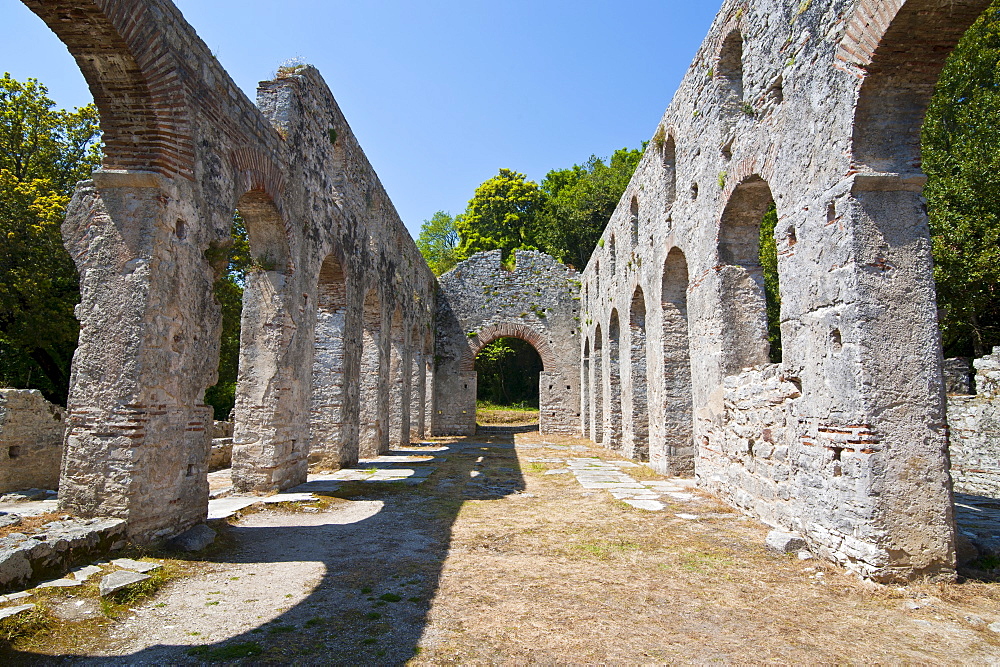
[(114, 582), (84, 573), (60, 583), (136, 565), (222, 508), (195, 538), (14, 611), (651, 505)]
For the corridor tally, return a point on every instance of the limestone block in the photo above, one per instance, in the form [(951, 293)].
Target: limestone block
[(116, 581), (784, 543), (193, 539)]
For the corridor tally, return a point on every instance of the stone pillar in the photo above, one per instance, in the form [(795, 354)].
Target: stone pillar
[(636, 429), (137, 432), (612, 393), (417, 393), (328, 415), (596, 396), (270, 434)]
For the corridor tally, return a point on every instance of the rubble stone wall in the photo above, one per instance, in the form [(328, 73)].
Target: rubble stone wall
[(974, 422), (480, 301), (31, 440)]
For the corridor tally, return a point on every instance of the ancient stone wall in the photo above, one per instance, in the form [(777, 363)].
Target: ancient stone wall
[(974, 422), (814, 108), (480, 301), (149, 233), (31, 439)]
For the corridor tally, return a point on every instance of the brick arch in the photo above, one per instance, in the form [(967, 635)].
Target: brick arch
[(898, 48), (506, 330), (134, 80)]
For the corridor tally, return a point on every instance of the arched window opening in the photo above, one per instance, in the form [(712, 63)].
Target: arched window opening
[(634, 221), (670, 169), (638, 447), (729, 70), (744, 293), (329, 382), (674, 454), (509, 370)]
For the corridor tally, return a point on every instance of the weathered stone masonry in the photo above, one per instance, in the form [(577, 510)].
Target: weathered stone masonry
[(480, 301), (815, 107), (974, 422), (184, 148)]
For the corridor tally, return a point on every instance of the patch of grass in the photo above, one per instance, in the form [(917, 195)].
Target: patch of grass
[(390, 597), (536, 467), (705, 563), (117, 603), (314, 621), (26, 625), (369, 640), (280, 629), (366, 590), (373, 616), (414, 599), (607, 550), (228, 652)]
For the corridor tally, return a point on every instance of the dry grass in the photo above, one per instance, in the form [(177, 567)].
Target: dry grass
[(549, 572), (486, 417), (31, 525)]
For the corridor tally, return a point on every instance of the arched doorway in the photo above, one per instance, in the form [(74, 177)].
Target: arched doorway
[(507, 384)]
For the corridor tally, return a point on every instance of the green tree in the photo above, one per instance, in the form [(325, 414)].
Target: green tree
[(43, 153), (772, 296), (508, 370), (961, 156), (438, 242), (502, 214), (579, 203)]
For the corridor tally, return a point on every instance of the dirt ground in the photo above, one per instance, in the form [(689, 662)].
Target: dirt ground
[(494, 561)]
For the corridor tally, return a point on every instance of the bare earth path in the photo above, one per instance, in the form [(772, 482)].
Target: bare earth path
[(502, 556)]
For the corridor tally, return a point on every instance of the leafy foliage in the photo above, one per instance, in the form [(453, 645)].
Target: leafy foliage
[(579, 203), (502, 214), (769, 262), (508, 369), (43, 153), (438, 242), (961, 156)]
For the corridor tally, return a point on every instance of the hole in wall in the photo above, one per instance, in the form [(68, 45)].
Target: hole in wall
[(727, 149), (836, 341), (694, 191), (776, 93), (14, 451), (180, 229), (190, 470), (791, 236), (831, 213)]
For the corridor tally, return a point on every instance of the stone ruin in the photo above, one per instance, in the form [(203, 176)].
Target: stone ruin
[(658, 350)]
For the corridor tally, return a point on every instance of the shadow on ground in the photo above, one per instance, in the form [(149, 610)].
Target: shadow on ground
[(377, 571)]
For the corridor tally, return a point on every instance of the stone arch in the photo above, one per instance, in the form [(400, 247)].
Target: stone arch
[(506, 330), (133, 79), (267, 230), (744, 310), (673, 451), (637, 409), (899, 49)]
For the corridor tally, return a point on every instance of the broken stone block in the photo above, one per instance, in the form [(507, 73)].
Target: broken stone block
[(14, 611), (84, 573), (10, 520), (114, 582), (135, 565), (784, 543), (193, 539), (61, 583)]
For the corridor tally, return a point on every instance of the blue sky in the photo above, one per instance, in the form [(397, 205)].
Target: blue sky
[(441, 93)]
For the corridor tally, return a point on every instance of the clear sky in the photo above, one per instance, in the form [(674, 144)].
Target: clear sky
[(440, 93)]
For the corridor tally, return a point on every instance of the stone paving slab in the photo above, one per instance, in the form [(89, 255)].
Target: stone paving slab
[(597, 474)]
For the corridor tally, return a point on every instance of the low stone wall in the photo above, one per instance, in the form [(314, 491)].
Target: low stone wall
[(793, 472), (974, 426), (31, 438), (221, 455), (62, 544)]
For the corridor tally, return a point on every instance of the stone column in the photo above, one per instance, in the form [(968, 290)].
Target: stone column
[(138, 433)]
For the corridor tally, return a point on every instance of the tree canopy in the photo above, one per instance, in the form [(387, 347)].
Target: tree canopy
[(43, 153), (438, 242), (961, 156), (501, 214)]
